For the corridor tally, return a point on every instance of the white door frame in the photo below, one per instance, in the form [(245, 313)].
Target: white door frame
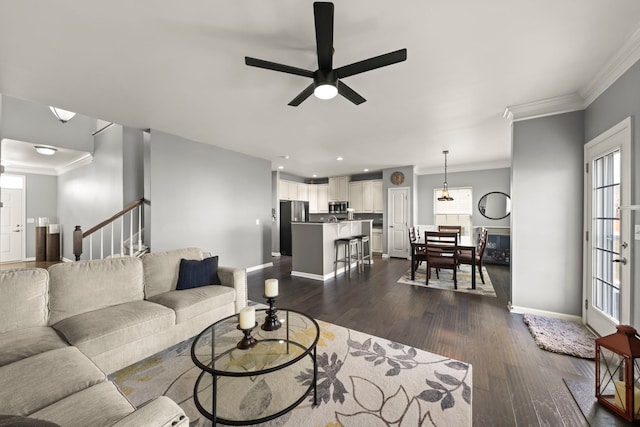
[(23, 240), (407, 191), (601, 145)]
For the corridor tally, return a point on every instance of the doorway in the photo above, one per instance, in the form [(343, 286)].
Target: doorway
[(607, 272), (12, 218), (398, 217)]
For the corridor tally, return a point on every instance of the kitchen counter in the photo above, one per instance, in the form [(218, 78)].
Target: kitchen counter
[(313, 246)]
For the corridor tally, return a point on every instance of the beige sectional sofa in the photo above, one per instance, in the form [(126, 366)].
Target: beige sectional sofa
[(62, 331)]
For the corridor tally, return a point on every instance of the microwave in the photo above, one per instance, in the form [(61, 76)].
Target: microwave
[(338, 207)]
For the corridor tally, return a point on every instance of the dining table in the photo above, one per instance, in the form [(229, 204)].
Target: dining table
[(465, 243)]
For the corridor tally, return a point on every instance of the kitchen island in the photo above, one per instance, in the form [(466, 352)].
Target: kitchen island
[(313, 250)]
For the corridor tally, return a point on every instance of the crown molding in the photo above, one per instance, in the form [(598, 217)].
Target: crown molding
[(545, 107), (17, 167), (469, 167), (628, 55)]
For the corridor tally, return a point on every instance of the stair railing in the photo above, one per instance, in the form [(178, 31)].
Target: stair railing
[(109, 226)]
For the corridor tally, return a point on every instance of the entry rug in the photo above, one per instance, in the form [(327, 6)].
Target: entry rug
[(561, 336), (446, 280), (363, 380)]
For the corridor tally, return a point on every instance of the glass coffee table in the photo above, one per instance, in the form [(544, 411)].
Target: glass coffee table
[(240, 387)]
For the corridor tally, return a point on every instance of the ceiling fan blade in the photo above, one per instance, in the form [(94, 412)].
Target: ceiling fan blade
[(323, 13), (350, 94), (253, 62), (302, 96), (372, 63)]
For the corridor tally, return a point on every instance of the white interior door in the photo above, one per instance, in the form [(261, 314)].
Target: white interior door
[(11, 224), (608, 234), (398, 216)]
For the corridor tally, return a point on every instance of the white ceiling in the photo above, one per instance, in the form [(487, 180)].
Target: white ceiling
[(178, 67)]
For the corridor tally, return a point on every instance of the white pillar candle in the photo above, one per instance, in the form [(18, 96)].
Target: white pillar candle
[(247, 318), (271, 288)]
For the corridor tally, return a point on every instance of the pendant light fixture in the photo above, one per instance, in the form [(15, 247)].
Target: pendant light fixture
[(445, 197), (63, 115)]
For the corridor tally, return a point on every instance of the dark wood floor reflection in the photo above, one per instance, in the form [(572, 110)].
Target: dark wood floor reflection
[(514, 382)]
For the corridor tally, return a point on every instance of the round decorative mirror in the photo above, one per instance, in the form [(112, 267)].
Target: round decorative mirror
[(495, 205)]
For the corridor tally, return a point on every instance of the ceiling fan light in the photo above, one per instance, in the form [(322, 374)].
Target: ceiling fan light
[(63, 115), (325, 91), (46, 151)]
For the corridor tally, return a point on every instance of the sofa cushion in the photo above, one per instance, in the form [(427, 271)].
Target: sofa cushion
[(31, 384), (23, 343), (16, 421), (190, 303), (195, 273), (24, 298), (82, 286), (100, 405), (111, 327), (161, 269)]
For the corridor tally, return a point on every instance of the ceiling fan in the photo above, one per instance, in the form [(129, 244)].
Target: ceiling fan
[(327, 81)]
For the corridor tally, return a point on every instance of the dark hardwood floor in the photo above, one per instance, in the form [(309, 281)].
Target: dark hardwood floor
[(514, 382)]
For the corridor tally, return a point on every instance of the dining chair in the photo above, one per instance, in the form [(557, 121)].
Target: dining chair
[(465, 255), (451, 229), (442, 252), (420, 254)]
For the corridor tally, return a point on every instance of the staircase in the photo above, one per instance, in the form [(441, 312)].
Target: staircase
[(119, 235)]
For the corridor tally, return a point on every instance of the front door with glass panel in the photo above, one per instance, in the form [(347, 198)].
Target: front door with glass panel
[(607, 189)]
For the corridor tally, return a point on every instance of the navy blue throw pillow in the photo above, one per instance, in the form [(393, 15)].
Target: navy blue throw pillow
[(194, 273)]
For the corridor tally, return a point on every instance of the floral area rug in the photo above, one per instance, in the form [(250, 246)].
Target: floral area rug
[(363, 380), (446, 280), (561, 336)]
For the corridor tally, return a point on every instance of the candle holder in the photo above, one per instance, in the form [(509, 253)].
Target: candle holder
[(247, 341), (271, 322)]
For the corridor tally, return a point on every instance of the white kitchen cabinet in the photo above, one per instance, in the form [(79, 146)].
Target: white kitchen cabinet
[(339, 189), (378, 203), (313, 198), (283, 189), (355, 196), (318, 198), (366, 196), (376, 240), (323, 197), (303, 191), (288, 190)]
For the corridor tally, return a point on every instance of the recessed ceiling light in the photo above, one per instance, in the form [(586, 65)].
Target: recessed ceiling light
[(286, 157), (339, 159), (365, 170), (314, 175), (280, 167), (47, 151)]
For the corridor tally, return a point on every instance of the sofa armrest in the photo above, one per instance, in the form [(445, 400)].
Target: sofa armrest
[(161, 412), (237, 279)]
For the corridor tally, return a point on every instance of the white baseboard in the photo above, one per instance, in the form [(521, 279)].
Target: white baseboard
[(276, 254), (322, 278), (385, 256), (526, 310), (259, 267)]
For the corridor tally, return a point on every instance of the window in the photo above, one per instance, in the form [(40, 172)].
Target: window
[(455, 212)]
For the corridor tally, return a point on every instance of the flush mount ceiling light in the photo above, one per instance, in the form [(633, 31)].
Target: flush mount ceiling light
[(46, 151), (63, 115), (445, 197)]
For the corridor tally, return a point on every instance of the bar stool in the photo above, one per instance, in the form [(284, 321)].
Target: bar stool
[(361, 254), (346, 243)]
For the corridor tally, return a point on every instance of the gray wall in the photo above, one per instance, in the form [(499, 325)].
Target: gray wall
[(208, 197), (547, 196), (41, 193), (94, 192), (619, 101), (132, 165), (481, 182)]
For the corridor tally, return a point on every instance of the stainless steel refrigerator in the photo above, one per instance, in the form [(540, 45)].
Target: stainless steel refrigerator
[(290, 211)]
